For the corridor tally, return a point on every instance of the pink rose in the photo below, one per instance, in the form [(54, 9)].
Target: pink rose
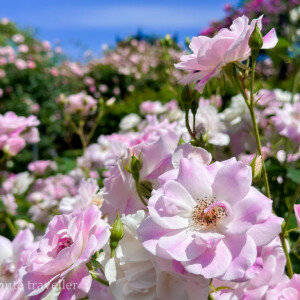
[(41, 166), (13, 257), (68, 244), (209, 218), (14, 145), (210, 55)]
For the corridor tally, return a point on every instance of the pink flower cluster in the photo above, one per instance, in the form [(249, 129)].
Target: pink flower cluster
[(274, 10), (41, 166), (15, 131), (138, 58), (46, 193), (80, 103)]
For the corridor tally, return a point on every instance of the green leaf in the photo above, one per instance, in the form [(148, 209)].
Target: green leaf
[(294, 175), (282, 43)]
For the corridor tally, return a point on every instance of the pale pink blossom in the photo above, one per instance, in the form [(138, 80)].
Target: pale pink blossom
[(4, 21), (31, 64), (129, 122), (58, 50), (14, 145), (23, 48), (16, 184), (152, 107), (9, 203), (210, 55), (88, 194), (13, 258), (154, 149), (41, 166), (103, 88), (135, 274), (89, 81), (79, 103), (54, 71), (68, 244), (264, 275), (46, 45), (21, 64), (209, 218), (18, 38), (287, 121), (289, 289)]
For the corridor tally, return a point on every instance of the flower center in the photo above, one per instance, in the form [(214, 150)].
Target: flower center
[(98, 200), (65, 241), (206, 215)]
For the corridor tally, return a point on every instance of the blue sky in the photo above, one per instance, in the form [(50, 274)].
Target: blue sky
[(87, 24)]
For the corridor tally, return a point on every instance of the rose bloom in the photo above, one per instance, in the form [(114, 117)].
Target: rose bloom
[(79, 103), (210, 55), (13, 257), (68, 244), (10, 204), (88, 194), (266, 273), (133, 273), (21, 64), (286, 290), (152, 107), (23, 48), (14, 145), (208, 217), (287, 121), (31, 64), (41, 166), (18, 38)]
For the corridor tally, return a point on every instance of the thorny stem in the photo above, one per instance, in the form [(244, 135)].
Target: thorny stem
[(250, 104), (194, 122), (295, 83), (291, 209), (139, 193), (253, 118), (80, 132), (283, 232), (99, 117), (187, 124), (11, 226), (289, 267), (112, 253)]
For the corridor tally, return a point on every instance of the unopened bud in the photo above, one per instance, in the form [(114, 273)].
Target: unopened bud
[(256, 39), (187, 40), (256, 166), (135, 167), (117, 233)]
